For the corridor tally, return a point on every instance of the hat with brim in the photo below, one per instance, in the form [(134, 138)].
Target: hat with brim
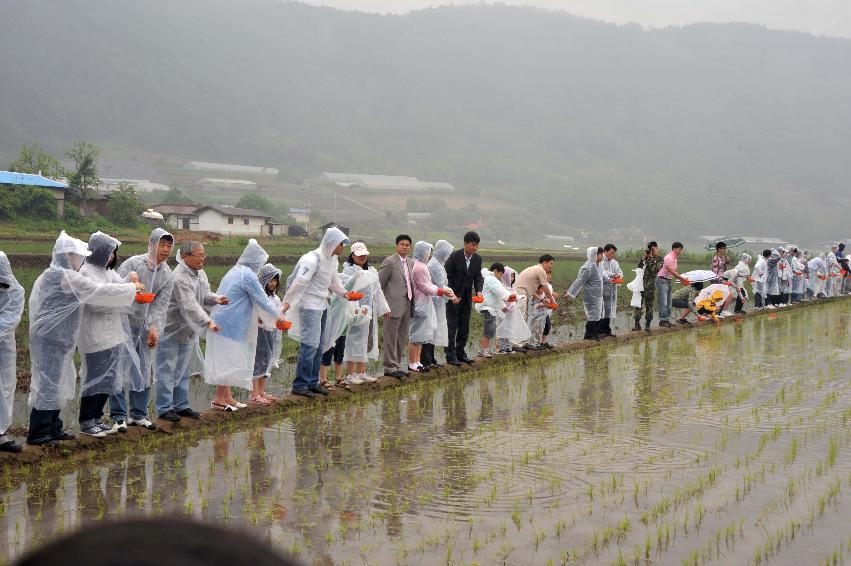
[(359, 249)]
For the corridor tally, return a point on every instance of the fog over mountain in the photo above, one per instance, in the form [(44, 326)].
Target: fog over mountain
[(709, 128)]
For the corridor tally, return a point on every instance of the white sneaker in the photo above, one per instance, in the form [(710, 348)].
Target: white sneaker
[(727, 313), (486, 354), (367, 378), (143, 422), (353, 379), (119, 426), (770, 307)]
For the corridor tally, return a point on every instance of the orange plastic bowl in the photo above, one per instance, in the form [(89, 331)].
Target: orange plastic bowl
[(553, 306), (355, 296), (145, 297), (512, 298), (283, 325), (617, 280), (478, 299)]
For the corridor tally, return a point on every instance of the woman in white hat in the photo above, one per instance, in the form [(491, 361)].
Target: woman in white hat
[(362, 335)]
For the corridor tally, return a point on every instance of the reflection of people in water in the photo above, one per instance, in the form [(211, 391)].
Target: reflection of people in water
[(644, 408), (174, 542), (595, 391)]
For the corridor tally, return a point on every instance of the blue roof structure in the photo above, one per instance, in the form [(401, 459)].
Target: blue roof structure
[(14, 178)]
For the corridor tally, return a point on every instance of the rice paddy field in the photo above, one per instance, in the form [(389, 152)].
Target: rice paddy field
[(722, 445)]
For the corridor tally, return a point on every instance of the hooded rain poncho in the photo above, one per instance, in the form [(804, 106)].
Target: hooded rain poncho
[(307, 287), (269, 338), (362, 326), (11, 309), (230, 352), (437, 271), (159, 280), (424, 318), (590, 282), (55, 310), (512, 327), (107, 353)]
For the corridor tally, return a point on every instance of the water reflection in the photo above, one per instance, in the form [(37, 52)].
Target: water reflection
[(509, 467)]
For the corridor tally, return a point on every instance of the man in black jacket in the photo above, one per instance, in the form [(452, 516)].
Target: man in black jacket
[(464, 271)]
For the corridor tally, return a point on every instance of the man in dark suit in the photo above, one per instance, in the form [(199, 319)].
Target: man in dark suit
[(464, 271), (395, 276)]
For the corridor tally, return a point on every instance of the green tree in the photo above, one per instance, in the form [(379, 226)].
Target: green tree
[(33, 159), (256, 202), (83, 178), (175, 196), (26, 202), (124, 207)]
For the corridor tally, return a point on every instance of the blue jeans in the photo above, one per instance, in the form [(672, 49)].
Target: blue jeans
[(309, 357), (138, 399), (664, 288), (138, 405), (172, 371)]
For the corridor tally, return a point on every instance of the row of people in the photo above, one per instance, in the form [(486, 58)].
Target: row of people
[(140, 323)]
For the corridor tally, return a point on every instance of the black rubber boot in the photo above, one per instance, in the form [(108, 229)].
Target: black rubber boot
[(427, 355), (637, 326), (591, 331), (647, 324)]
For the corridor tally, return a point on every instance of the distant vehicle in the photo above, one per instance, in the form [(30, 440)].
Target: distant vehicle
[(732, 242)]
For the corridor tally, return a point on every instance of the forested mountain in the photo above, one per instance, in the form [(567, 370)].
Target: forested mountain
[(708, 128)]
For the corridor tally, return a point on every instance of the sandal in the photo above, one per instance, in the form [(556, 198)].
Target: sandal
[(259, 400), (269, 397), (217, 407)]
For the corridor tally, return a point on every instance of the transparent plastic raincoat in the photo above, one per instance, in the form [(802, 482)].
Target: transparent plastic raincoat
[(269, 338), (590, 282), (610, 269), (55, 310), (424, 318), (363, 325), (307, 288), (106, 348), (11, 309), (772, 273), (818, 270), (512, 327), (186, 321), (159, 280), (230, 352), (441, 252)]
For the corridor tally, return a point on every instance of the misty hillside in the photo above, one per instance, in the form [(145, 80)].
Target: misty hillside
[(707, 128)]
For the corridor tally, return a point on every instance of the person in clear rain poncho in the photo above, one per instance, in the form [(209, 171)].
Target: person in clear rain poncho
[(186, 319), (147, 320), (436, 269), (362, 337), (55, 311), (268, 336), (512, 329), (424, 318), (308, 286), (11, 309), (590, 282), (106, 348), (611, 271), (229, 360), (743, 272), (817, 268), (760, 275)]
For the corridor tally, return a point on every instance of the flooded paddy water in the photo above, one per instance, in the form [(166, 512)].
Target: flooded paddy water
[(723, 445)]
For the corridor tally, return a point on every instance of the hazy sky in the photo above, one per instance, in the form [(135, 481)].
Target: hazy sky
[(819, 17)]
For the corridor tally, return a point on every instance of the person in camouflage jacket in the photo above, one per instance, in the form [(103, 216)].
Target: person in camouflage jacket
[(651, 262)]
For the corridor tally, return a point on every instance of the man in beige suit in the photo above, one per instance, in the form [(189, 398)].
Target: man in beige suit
[(397, 286)]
